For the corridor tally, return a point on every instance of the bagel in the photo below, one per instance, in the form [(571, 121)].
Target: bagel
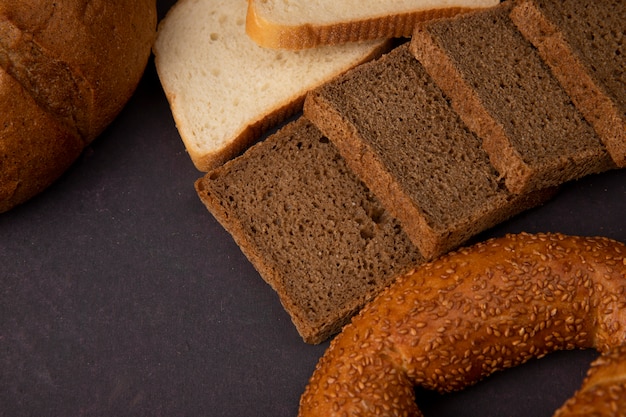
[(492, 306), (66, 70)]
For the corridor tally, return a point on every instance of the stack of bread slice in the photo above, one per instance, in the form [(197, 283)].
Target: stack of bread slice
[(311, 228), (224, 90), (398, 160), (504, 91), (407, 126)]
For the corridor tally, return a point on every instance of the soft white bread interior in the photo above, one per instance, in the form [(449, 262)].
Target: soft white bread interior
[(225, 90), (300, 24)]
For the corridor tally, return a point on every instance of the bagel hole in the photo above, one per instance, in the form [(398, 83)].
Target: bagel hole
[(538, 388)]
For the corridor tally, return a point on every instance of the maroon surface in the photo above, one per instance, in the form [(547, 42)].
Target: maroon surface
[(121, 295)]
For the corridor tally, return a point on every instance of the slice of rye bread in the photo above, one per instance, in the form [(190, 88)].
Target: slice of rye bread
[(311, 228), (501, 88), (583, 42), (396, 130)]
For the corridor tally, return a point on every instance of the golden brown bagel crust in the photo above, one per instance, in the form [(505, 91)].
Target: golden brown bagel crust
[(603, 392), (470, 313), (79, 61)]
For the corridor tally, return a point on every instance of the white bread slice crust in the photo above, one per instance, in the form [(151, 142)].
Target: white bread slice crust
[(223, 89), (301, 24)]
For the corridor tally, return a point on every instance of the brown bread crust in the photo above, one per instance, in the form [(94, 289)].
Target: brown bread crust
[(473, 312), (75, 64)]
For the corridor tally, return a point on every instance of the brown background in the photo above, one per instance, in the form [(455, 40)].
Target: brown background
[(121, 295)]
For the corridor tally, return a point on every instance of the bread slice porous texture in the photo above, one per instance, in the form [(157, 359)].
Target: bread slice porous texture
[(397, 131), (312, 229), (223, 89), (583, 42), (502, 89), (304, 24)]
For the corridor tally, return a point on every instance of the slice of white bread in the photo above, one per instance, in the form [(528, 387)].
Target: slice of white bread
[(223, 89), (300, 24)]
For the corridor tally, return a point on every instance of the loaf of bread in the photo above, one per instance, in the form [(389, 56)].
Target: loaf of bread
[(314, 232), (504, 92), (479, 310), (398, 132), (583, 43), (303, 24), (66, 70), (224, 90)]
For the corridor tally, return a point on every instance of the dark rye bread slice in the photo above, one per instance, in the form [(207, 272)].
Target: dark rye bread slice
[(583, 42), (504, 92), (396, 130), (311, 228)]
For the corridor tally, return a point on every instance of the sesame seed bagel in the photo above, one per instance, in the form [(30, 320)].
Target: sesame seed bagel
[(492, 306)]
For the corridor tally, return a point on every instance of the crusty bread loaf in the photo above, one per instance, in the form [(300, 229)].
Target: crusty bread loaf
[(309, 23), (476, 311), (32, 155), (66, 70), (583, 43), (397, 131), (502, 89), (314, 232), (224, 90)]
